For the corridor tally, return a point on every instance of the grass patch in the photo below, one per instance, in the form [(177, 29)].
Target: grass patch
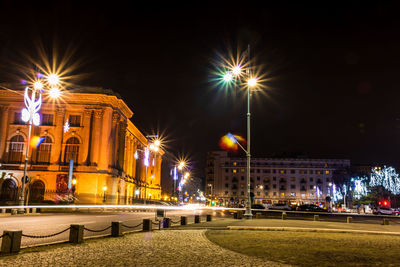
[(311, 248)]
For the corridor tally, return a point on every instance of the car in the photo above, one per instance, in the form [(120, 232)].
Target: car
[(310, 207), (385, 211), (280, 206), (258, 206)]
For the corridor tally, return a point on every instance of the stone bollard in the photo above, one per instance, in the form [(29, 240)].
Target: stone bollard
[(14, 211), (196, 218), (349, 219), (316, 217), (183, 220), (166, 223), (76, 233), (258, 215), (11, 242), (385, 221), (238, 215), (147, 225), (209, 218), (284, 216), (116, 229), (34, 210), (3, 210)]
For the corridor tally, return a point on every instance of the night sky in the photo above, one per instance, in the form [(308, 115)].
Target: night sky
[(334, 70)]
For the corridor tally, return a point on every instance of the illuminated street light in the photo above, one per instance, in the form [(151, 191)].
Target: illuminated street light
[(54, 92), (237, 70), (228, 77), (252, 82), (157, 142), (38, 85), (53, 79)]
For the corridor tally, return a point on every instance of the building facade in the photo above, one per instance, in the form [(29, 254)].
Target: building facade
[(101, 142), (273, 180)]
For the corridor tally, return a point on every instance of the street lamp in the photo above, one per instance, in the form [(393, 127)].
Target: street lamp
[(232, 75), (30, 115), (104, 194)]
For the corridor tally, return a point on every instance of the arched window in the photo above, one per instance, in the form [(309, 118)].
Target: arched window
[(8, 191), (37, 192), (16, 149), (44, 151), (71, 150)]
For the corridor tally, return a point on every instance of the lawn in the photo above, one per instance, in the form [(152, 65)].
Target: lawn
[(312, 248)]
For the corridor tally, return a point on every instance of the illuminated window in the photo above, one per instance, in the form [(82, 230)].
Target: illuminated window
[(242, 186), (235, 163), (292, 179), (282, 194), (327, 172), (234, 171), (71, 150), (241, 170), (293, 194), (282, 171), (311, 194), (318, 172), (15, 149), (303, 172), (303, 195)]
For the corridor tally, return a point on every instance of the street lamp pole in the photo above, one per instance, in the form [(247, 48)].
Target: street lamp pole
[(248, 213)]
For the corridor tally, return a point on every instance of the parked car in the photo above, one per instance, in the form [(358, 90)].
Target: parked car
[(258, 206), (310, 207), (385, 211), (280, 206)]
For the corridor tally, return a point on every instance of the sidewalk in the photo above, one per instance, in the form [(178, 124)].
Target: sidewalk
[(158, 248)]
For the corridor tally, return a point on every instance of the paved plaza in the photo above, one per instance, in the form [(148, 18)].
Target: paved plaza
[(158, 248)]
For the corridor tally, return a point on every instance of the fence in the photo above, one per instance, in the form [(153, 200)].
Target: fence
[(11, 239)]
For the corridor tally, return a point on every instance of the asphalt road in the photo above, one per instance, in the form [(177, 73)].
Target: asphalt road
[(46, 224)]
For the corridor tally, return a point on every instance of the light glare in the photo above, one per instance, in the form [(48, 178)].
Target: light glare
[(228, 77), (55, 93), (53, 79), (252, 82), (237, 70)]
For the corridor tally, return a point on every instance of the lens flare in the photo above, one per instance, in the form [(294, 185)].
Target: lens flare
[(36, 141), (228, 142)]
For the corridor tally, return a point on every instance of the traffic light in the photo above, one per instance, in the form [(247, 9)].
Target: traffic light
[(385, 203)]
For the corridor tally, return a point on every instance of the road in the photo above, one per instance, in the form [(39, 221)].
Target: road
[(46, 224)]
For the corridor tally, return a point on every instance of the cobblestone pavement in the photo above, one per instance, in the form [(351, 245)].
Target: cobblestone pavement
[(158, 248)]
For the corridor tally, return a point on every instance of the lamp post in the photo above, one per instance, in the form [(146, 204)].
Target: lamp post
[(104, 194), (236, 71), (30, 115)]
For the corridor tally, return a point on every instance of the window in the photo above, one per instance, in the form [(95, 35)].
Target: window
[(47, 119), (311, 179), (235, 163), (226, 185), (327, 172), (292, 179), (311, 194), (241, 170), (303, 172), (258, 170), (226, 177), (258, 178), (74, 120), (274, 178), (273, 171), (274, 186), (71, 150), (292, 171), (18, 118), (292, 194), (303, 195), (274, 193), (234, 171), (267, 171), (318, 172), (310, 171), (16, 149), (282, 194), (292, 186), (282, 171), (258, 193), (234, 193), (226, 192), (251, 170), (44, 151), (311, 187), (242, 193), (226, 170), (241, 185), (242, 178)]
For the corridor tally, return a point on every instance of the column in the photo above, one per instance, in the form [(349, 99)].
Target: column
[(105, 145), (114, 139), (85, 158), (96, 134), (121, 145), (56, 153), (3, 130)]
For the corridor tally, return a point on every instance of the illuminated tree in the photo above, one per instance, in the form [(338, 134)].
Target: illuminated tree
[(387, 177)]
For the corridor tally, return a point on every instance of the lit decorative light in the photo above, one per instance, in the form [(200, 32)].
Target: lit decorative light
[(54, 92), (152, 146), (157, 143), (146, 157), (153, 162), (136, 155), (137, 192), (252, 82), (38, 85), (66, 126), (32, 108), (186, 175), (105, 188), (175, 174), (386, 177), (236, 70), (53, 79), (228, 77)]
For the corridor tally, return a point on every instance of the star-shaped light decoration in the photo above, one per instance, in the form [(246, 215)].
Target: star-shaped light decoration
[(66, 126)]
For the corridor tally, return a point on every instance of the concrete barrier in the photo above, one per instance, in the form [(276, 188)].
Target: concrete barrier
[(183, 220), (147, 225), (385, 221), (349, 219), (316, 217), (116, 229), (196, 218), (11, 242), (284, 216), (76, 233), (258, 215)]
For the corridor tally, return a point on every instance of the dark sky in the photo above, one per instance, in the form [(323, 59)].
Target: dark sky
[(334, 70)]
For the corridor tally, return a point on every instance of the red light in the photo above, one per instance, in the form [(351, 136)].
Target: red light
[(385, 203), (379, 203)]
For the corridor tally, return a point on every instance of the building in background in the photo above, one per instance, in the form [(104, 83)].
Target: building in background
[(273, 180), (101, 141)]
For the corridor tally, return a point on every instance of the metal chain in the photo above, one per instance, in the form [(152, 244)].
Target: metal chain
[(179, 221), (97, 231), (45, 236), (3, 235), (127, 226), (155, 223)]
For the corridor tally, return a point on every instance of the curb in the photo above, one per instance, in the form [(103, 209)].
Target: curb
[(302, 229)]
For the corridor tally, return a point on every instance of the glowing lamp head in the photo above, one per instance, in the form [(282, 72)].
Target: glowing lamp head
[(105, 188), (74, 181), (38, 85), (157, 142), (228, 77), (237, 70), (53, 79), (186, 175), (252, 82), (136, 155), (232, 138), (137, 192), (181, 165), (55, 93), (152, 146)]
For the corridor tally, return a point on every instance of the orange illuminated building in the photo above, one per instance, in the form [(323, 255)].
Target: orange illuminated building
[(101, 142)]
